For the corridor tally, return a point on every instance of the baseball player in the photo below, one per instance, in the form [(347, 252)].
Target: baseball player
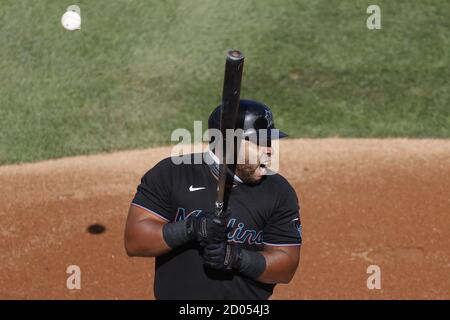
[(242, 255)]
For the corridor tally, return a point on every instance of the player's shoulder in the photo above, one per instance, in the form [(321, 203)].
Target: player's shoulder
[(278, 180), (164, 164), (283, 193), (281, 184), (179, 162)]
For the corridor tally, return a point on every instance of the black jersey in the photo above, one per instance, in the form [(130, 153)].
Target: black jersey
[(262, 214)]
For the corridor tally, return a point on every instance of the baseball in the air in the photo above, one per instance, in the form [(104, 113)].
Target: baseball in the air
[(71, 20)]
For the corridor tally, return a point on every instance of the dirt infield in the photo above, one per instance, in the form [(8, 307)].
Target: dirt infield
[(364, 202)]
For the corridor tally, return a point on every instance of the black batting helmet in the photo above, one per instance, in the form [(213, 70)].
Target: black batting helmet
[(252, 117)]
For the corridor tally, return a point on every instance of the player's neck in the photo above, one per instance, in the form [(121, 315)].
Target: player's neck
[(213, 164)]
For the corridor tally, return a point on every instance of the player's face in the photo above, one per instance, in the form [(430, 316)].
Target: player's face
[(254, 162)]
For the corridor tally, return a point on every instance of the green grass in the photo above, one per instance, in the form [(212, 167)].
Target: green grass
[(139, 69)]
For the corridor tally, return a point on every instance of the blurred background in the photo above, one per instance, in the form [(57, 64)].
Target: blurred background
[(139, 69)]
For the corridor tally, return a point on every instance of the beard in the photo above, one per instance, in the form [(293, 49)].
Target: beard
[(248, 173)]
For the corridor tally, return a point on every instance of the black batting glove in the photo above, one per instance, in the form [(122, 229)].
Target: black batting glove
[(225, 256), (207, 228), (222, 256)]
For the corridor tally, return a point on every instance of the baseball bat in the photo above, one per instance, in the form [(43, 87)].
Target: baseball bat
[(230, 106)]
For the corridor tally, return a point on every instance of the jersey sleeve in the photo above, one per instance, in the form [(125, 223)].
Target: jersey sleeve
[(154, 192), (284, 227)]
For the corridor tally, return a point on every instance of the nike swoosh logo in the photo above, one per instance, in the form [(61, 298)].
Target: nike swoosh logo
[(191, 188)]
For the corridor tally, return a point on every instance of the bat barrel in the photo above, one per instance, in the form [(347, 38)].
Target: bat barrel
[(231, 90), (235, 55)]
